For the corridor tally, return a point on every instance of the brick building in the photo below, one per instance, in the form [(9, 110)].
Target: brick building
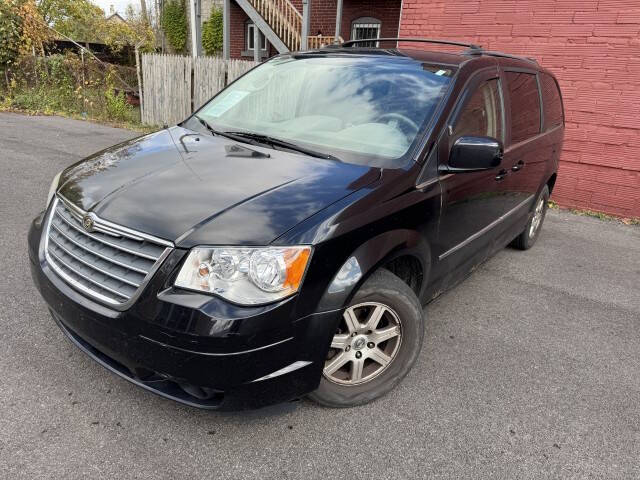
[(362, 18), (593, 46)]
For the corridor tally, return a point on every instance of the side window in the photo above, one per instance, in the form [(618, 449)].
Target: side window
[(482, 114), (525, 105), (551, 101)]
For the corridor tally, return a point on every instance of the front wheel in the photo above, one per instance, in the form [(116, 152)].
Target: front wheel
[(376, 344), (528, 237)]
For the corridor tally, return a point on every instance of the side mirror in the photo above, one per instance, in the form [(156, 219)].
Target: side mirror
[(474, 154)]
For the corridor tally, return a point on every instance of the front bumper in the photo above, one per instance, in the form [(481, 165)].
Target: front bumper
[(192, 348)]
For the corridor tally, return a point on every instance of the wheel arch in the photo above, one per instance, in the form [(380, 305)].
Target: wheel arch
[(552, 182), (405, 252)]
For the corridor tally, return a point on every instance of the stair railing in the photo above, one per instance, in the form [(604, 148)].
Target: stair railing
[(319, 41), (284, 19)]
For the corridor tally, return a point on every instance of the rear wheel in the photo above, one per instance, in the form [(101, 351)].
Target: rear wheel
[(528, 237), (376, 344)]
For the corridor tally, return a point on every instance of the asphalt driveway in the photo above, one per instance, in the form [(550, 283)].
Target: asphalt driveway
[(530, 368)]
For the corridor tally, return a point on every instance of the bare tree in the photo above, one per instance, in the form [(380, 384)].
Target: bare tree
[(143, 11)]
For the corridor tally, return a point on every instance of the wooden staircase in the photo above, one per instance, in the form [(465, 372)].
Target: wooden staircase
[(283, 18), (281, 23)]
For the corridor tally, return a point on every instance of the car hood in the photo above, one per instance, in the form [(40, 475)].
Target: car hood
[(196, 189)]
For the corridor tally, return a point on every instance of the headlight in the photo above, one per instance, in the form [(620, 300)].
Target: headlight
[(248, 276), (53, 188)]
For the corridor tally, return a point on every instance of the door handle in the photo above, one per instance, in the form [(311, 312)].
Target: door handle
[(501, 174), (518, 166)]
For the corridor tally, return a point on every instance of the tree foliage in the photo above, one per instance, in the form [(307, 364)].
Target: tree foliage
[(21, 30), (35, 33), (136, 31), (83, 21), (78, 19), (25, 27), (174, 24), (10, 32), (212, 32)]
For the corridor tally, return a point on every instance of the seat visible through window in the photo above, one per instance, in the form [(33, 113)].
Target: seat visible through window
[(482, 115)]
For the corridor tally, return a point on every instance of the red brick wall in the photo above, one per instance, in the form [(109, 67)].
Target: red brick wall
[(593, 47), (238, 43), (237, 20), (323, 19), (323, 15), (387, 11)]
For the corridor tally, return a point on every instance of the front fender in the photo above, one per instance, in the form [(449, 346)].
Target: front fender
[(368, 257)]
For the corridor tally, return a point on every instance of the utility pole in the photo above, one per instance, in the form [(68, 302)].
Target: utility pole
[(338, 19), (226, 29), (196, 29), (306, 24)]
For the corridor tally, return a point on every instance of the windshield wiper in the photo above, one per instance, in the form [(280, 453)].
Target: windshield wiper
[(214, 132), (276, 142), (250, 137)]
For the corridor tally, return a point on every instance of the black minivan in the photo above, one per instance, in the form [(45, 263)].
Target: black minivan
[(283, 239)]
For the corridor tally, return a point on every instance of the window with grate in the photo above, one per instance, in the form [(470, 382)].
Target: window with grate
[(365, 28)]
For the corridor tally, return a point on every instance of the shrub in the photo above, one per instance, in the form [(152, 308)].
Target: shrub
[(174, 24), (63, 84), (212, 32), (117, 107)]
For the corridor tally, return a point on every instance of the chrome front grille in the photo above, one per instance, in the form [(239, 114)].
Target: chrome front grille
[(105, 261)]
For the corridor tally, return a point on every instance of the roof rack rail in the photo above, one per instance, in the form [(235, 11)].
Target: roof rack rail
[(480, 51), (471, 46)]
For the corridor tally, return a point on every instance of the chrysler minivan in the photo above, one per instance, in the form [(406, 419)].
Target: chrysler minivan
[(283, 240)]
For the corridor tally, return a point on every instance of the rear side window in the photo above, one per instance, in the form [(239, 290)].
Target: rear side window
[(525, 105), (482, 114), (551, 102)]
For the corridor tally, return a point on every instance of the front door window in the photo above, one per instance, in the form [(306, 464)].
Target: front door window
[(482, 115)]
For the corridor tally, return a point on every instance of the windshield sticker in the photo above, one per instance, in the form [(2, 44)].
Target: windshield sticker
[(230, 100), (441, 72)]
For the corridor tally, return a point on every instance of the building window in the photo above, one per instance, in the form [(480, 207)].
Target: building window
[(364, 28), (249, 36)]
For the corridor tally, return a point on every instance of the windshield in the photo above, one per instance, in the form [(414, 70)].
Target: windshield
[(365, 110)]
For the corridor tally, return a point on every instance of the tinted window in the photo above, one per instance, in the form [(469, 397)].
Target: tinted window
[(482, 114), (551, 102), (525, 106)]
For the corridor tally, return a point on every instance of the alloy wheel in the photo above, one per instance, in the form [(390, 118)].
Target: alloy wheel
[(367, 341), (537, 217)]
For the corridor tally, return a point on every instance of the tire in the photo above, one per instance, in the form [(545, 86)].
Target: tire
[(531, 232), (401, 314)]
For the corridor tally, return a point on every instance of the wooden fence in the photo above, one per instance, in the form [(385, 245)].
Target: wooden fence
[(174, 86), (237, 68)]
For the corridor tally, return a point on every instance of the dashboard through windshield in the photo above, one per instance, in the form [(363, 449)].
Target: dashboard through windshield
[(367, 110)]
